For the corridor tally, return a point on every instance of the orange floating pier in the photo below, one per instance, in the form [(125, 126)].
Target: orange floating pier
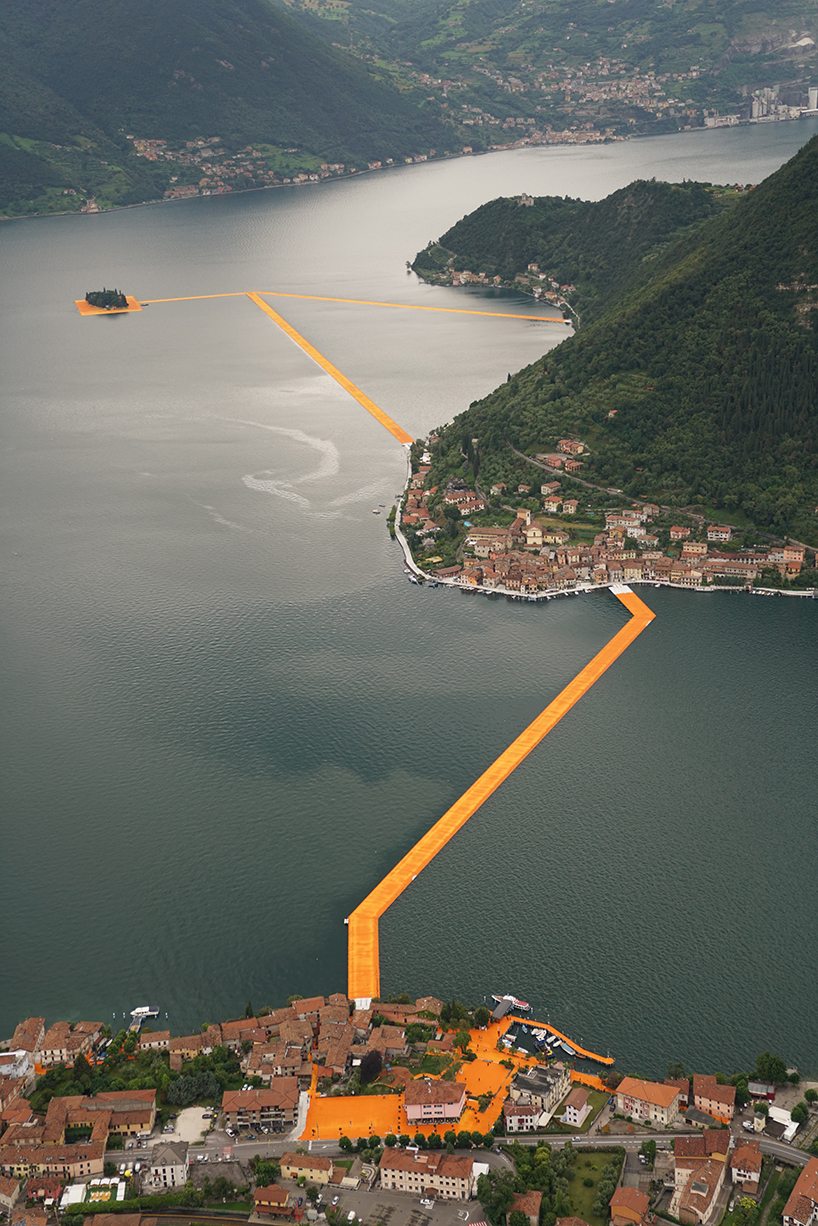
[(85, 308), (584, 1052), (363, 951), (397, 306), (347, 384)]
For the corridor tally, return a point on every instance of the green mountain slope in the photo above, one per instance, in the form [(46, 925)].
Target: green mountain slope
[(635, 67), (697, 385), (595, 245), (84, 74)]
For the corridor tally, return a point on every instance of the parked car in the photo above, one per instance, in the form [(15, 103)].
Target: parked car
[(335, 1200)]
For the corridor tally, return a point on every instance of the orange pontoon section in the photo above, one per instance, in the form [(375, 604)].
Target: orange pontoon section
[(363, 956), (398, 306), (581, 1051), (85, 308), (326, 365)]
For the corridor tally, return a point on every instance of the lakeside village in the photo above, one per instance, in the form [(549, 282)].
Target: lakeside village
[(536, 541), (328, 1110)]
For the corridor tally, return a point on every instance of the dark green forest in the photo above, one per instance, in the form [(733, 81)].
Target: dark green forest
[(695, 384), (596, 245)]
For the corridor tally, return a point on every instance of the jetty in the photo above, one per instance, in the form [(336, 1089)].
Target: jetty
[(578, 1050)]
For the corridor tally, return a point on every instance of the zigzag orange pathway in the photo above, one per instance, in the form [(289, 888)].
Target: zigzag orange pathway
[(347, 384), (363, 956)]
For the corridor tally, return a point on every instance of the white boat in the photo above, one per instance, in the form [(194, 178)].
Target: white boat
[(144, 1011), (523, 1005)]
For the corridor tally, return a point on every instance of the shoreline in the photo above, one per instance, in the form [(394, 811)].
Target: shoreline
[(451, 157), (430, 579)]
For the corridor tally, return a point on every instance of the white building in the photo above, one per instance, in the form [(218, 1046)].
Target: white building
[(169, 1165)]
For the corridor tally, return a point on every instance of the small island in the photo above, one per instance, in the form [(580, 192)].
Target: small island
[(106, 299), (106, 302)]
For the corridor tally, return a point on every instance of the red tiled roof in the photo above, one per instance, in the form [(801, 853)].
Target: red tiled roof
[(424, 1091)]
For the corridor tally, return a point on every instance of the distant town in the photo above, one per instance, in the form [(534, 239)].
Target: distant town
[(534, 541), (383, 1111)]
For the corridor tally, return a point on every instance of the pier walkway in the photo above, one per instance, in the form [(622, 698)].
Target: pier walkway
[(363, 951), (583, 1052)]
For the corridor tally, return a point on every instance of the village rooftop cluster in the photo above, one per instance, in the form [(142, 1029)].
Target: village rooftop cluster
[(534, 556), (304, 1066)]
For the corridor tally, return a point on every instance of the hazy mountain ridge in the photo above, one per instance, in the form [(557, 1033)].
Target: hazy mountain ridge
[(84, 74)]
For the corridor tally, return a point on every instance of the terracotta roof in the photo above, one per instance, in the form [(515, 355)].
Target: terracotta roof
[(271, 1195), (310, 1162), (647, 1091), (702, 1145), (424, 1091), (527, 1203), (701, 1188), (630, 1198), (806, 1189), (283, 1092), (577, 1098), (445, 1166), (8, 1186), (747, 1156)]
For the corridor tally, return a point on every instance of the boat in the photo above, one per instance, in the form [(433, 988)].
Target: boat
[(376, 510), (144, 1011), (523, 1005)]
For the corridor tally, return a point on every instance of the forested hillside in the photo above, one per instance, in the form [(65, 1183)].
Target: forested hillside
[(698, 385), (595, 245), (81, 76)]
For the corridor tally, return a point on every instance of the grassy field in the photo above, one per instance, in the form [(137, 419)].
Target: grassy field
[(587, 1167)]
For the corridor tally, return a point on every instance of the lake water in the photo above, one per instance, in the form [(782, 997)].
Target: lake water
[(226, 714)]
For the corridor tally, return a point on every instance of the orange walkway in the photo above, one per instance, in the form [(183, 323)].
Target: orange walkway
[(581, 1051), (347, 384), (363, 955), (85, 308), (399, 306)]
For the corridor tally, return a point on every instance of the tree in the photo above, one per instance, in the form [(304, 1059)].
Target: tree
[(419, 1140), (488, 1140), (450, 1137), (265, 1171), (761, 1108), (482, 1017), (771, 1068), (404, 1139), (464, 1139), (129, 1046), (811, 1095), (312, 1194), (109, 1168), (248, 1009), (390, 1140), (476, 1138), (517, 1218), (434, 1141), (462, 1039), (346, 1145), (648, 1148), (800, 1113), (371, 1066)]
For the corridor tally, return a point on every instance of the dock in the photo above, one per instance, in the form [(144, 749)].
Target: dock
[(583, 1052)]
